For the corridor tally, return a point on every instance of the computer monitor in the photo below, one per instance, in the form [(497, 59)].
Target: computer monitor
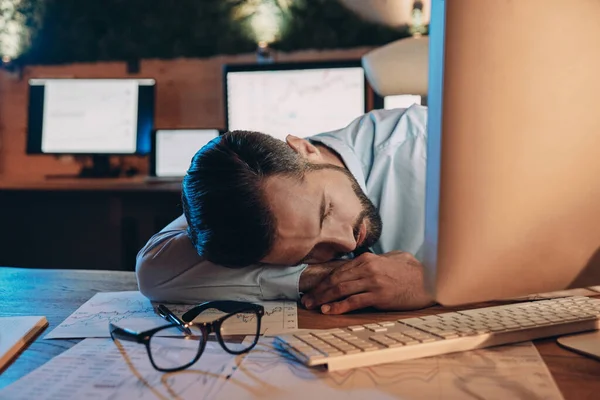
[(396, 101), (173, 149), (513, 167), (301, 99), (97, 117)]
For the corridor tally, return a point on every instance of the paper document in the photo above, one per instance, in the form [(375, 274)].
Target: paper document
[(505, 372), (97, 369), (133, 311)]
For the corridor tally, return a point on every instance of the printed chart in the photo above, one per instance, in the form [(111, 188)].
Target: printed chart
[(133, 311)]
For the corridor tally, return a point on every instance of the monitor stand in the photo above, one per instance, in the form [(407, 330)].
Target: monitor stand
[(100, 168), (587, 343)]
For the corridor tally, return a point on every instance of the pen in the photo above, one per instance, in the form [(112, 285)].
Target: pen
[(169, 316)]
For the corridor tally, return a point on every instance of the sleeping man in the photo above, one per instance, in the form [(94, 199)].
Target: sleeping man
[(336, 219)]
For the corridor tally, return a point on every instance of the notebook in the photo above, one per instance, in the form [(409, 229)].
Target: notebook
[(16, 333)]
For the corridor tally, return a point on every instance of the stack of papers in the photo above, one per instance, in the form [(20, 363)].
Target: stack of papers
[(98, 368)]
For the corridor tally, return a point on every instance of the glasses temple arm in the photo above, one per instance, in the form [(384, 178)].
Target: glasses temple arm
[(125, 334)]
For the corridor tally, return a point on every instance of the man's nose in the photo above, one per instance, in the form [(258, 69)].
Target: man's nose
[(341, 240)]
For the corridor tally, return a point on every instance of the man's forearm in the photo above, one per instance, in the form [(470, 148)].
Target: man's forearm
[(315, 273)]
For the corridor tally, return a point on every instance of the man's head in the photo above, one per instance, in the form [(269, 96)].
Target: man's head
[(249, 197)]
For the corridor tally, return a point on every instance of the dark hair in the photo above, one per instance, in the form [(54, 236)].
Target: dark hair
[(229, 221)]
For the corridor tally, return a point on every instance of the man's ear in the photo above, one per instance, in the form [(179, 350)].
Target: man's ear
[(305, 149)]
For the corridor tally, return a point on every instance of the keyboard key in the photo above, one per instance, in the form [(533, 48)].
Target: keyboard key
[(409, 341), (356, 328), (448, 335), (334, 353)]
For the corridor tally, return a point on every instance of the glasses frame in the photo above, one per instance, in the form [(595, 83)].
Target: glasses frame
[(228, 306)]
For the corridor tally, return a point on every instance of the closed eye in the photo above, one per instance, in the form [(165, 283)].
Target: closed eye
[(326, 211), (329, 211)]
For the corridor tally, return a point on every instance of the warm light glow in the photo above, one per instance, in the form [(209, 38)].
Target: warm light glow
[(264, 18), (265, 22), (11, 29)]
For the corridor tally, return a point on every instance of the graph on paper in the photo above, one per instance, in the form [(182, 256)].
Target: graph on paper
[(133, 311)]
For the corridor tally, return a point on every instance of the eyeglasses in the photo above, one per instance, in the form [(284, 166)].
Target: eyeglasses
[(169, 355)]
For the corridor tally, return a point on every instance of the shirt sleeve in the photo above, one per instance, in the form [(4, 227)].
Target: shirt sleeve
[(169, 269)]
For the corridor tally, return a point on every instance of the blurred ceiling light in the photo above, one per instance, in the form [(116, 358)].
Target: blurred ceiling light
[(264, 18), (11, 29)]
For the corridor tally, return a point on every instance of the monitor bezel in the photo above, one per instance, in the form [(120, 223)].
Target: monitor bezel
[(379, 101), (143, 136), (287, 66), (152, 160)]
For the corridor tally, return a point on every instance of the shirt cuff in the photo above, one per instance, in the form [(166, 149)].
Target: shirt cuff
[(277, 282)]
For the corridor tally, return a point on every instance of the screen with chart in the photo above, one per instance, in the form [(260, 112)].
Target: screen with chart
[(90, 116), (297, 99), (174, 149)]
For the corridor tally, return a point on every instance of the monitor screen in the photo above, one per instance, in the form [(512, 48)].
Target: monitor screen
[(400, 101), (174, 149), (297, 99), (90, 116)]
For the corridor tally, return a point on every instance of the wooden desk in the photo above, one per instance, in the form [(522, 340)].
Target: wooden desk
[(135, 184), (70, 223), (57, 293)]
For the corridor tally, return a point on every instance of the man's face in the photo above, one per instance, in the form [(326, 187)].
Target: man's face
[(320, 218)]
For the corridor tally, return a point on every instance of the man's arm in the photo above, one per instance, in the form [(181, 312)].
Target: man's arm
[(168, 268), (391, 281)]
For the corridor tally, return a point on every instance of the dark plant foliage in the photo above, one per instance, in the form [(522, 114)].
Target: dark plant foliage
[(66, 31)]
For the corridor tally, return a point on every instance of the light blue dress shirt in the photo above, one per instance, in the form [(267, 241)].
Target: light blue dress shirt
[(385, 150)]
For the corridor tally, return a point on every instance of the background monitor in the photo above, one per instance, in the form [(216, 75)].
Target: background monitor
[(173, 149), (301, 99), (397, 101), (90, 116)]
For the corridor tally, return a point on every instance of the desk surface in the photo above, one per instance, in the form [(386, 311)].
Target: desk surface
[(57, 293), (135, 184)]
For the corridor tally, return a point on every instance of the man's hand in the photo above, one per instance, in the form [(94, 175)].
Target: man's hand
[(391, 281), (315, 273)]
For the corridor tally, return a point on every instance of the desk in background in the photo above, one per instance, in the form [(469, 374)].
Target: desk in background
[(57, 293), (82, 223)]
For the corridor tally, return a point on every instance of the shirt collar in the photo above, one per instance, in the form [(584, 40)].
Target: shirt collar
[(348, 156)]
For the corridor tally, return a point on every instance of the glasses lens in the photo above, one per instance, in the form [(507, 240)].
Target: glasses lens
[(244, 322), (170, 348)]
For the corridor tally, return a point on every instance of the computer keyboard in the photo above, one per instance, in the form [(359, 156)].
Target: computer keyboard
[(406, 339)]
